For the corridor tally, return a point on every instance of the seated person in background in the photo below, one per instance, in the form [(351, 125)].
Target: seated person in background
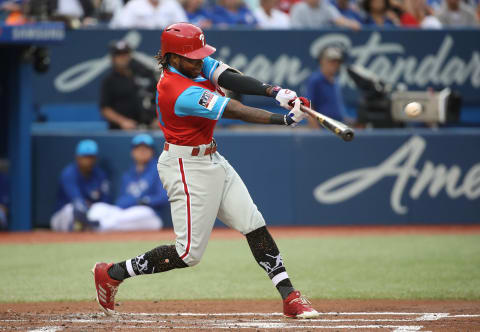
[(318, 14), (82, 183), (475, 4), (456, 13), (107, 9), (286, 5), (75, 13), (348, 10), (12, 12), (379, 14), (323, 88), (269, 17), (127, 92), (148, 14), (4, 200), (141, 196), (197, 14), (232, 12), (418, 14)]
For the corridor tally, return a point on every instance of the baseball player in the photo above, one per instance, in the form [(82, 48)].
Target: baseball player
[(200, 183), (82, 183), (141, 195)]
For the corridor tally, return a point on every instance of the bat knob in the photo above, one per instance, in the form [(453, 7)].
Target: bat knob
[(348, 135)]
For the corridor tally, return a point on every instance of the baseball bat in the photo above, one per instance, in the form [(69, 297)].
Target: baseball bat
[(340, 129)]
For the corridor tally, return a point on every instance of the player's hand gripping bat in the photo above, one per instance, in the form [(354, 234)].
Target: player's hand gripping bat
[(340, 129)]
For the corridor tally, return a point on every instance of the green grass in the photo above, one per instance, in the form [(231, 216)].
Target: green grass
[(393, 267)]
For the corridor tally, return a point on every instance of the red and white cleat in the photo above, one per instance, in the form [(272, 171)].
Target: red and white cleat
[(106, 287), (297, 306)]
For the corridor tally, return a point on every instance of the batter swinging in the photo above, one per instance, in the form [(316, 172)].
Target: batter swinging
[(200, 183)]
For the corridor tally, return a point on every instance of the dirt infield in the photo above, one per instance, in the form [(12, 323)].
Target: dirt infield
[(43, 236), (249, 315), (338, 315)]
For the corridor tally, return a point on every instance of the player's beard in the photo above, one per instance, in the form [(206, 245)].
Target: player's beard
[(190, 71)]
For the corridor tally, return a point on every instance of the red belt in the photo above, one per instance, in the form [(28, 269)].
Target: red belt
[(196, 150)]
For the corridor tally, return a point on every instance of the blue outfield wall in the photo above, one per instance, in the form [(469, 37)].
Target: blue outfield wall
[(296, 177)]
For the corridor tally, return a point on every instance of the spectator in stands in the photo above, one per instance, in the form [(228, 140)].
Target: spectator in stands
[(127, 98), (286, 5), (475, 4), (232, 12), (149, 14), (379, 14), (323, 88), (142, 195), (269, 17), (197, 14), (79, 12), (4, 201), (81, 184), (75, 13), (418, 14), (349, 10), (107, 9), (12, 12), (317, 14), (455, 13)]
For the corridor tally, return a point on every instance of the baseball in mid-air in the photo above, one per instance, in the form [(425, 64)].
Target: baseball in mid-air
[(413, 109)]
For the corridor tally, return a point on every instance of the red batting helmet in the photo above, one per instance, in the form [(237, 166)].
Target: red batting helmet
[(187, 40)]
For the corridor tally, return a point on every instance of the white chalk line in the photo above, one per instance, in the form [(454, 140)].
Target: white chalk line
[(47, 329), (430, 317)]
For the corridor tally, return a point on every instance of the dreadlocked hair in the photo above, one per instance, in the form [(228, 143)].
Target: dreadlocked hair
[(162, 60)]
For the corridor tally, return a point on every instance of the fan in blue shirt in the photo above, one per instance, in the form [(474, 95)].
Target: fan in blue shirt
[(348, 10), (376, 14), (232, 12), (323, 88), (197, 14)]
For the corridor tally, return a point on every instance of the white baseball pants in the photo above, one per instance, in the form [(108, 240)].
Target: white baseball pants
[(200, 189)]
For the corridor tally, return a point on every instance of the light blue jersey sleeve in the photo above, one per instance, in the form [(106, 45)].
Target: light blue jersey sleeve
[(209, 66), (197, 101)]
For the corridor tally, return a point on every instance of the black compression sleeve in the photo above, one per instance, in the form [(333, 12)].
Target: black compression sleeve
[(278, 119), (242, 84)]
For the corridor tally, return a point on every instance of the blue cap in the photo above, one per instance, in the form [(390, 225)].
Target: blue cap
[(87, 147), (143, 139)]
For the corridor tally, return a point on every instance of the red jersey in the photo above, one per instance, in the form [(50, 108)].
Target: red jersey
[(188, 109)]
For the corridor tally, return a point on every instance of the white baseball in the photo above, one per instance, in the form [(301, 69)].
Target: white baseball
[(413, 109)]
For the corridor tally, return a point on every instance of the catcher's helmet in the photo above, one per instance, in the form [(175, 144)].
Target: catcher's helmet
[(187, 40)]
